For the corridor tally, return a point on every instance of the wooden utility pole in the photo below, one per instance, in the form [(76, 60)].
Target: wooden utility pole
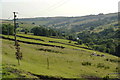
[(15, 26), (18, 53)]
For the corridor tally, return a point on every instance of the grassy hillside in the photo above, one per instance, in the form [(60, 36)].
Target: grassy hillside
[(53, 58), (70, 62)]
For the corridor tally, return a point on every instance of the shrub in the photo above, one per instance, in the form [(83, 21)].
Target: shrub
[(79, 42), (69, 41), (100, 65), (106, 67), (113, 60), (86, 63), (106, 78), (49, 50)]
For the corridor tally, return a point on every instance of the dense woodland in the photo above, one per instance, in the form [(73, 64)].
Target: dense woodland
[(104, 41)]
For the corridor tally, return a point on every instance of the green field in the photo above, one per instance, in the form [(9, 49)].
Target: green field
[(58, 42), (70, 62)]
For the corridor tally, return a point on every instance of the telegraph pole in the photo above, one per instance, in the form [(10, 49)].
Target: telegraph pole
[(15, 26), (17, 46)]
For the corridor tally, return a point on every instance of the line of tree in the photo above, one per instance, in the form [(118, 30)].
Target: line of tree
[(43, 31), (7, 29)]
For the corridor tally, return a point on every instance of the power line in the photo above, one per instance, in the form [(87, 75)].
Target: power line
[(51, 6), (56, 6), (49, 9), (20, 14), (9, 18)]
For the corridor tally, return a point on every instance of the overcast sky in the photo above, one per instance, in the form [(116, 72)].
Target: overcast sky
[(42, 8)]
